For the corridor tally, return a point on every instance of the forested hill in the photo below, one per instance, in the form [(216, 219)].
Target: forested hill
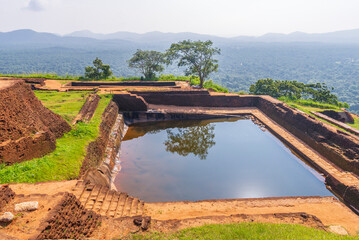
[(242, 62)]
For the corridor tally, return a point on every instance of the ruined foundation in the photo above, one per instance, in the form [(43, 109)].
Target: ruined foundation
[(27, 129)]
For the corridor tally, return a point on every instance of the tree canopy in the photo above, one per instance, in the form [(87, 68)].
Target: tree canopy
[(318, 92), (147, 62), (98, 71), (197, 56)]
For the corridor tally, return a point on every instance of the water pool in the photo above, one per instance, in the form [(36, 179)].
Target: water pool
[(211, 159)]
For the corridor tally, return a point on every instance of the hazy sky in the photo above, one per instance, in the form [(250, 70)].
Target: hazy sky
[(219, 17)]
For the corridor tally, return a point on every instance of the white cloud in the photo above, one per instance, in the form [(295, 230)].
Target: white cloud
[(37, 5)]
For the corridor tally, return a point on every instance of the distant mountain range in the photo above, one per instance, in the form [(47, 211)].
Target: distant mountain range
[(347, 36), (30, 38), (84, 38), (332, 58)]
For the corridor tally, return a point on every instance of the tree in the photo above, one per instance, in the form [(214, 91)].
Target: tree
[(265, 87), (148, 62), (99, 71), (197, 56), (293, 90)]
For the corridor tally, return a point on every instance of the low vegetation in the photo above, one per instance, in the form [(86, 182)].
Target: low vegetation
[(295, 91), (42, 75), (263, 231), (356, 123), (308, 107), (309, 103), (66, 104), (65, 162)]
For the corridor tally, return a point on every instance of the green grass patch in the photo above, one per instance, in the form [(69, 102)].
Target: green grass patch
[(41, 75), (66, 104), (320, 107), (65, 162), (355, 124), (311, 104), (263, 231)]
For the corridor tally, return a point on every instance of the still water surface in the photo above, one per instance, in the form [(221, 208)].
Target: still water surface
[(212, 159)]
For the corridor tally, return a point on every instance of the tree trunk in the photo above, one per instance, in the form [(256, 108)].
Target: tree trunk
[(201, 81)]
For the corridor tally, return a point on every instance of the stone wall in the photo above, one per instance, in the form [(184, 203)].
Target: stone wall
[(133, 83), (130, 102), (337, 146), (88, 109), (195, 99), (27, 129), (96, 149), (106, 171)]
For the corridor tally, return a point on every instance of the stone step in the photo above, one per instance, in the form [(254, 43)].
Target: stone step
[(107, 202), (113, 205), (86, 193), (101, 198), (120, 205), (134, 207), (91, 200), (141, 207), (127, 207)]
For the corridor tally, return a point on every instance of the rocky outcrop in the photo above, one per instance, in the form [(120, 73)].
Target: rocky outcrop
[(27, 129), (70, 220)]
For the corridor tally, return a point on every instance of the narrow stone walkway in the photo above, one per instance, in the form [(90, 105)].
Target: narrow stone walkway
[(107, 202)]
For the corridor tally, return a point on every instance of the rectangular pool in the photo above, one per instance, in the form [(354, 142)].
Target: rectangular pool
[(211, 159)]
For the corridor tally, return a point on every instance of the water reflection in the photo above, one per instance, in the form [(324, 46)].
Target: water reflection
[(159, 162), (196, 140)]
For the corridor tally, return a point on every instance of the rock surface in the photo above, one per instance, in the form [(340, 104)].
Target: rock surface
[(338, 230), (27, 206), (6, 217)]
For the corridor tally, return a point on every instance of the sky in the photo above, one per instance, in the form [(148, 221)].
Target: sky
[(216, 17)]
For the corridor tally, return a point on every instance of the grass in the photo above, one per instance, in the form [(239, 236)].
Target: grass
[(308, 106), (263, 231), (311, 104), (41, 75), (66, 104), (356, 123), (65, 162)]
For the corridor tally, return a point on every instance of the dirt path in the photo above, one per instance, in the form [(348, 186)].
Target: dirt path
[(49, 188), (328, 209), (52, 84), (6, 83)]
